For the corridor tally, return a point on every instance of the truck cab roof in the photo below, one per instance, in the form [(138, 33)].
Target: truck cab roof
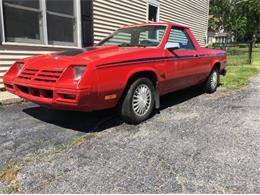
[(158, 23)]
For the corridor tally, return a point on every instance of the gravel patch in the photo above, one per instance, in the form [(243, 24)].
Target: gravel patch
[(198, 143)]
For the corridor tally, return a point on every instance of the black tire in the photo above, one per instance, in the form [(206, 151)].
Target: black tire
[(212, 83), (125, 108)]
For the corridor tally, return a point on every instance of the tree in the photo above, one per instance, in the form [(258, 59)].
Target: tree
[(220, 12), (250, 9), (239, 17), (225, 17)]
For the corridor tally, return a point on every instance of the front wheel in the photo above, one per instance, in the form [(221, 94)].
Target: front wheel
[(138, 103), (212, 83)]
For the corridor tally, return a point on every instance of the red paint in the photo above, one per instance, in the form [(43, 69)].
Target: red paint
[(48, 79)]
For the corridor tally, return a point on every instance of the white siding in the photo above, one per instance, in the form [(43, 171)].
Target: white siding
[(193, 13), (110, 15), (9, 54)]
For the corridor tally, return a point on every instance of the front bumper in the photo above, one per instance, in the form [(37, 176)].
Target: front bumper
[(59, 98)]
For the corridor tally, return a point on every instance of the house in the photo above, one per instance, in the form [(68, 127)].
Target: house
[(220, 38), (31, 27)]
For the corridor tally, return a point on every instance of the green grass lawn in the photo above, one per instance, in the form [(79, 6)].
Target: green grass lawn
[(238, 70)]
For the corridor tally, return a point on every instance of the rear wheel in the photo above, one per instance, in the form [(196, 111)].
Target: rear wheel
[(212, 83), (138, 103)]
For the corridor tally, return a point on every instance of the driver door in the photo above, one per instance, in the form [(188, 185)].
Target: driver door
[(183, 69)]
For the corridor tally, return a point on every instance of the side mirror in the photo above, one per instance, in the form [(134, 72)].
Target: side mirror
[(172, 46)]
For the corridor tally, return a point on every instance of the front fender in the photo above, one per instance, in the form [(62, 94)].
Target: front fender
[(146, 69), (140, 70)]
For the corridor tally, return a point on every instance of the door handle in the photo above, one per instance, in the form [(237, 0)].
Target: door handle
[(196, 55)]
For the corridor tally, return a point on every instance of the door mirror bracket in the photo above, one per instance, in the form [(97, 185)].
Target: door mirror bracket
[(172, 46)]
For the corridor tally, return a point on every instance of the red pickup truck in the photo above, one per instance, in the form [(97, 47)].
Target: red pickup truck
[(129, 70)]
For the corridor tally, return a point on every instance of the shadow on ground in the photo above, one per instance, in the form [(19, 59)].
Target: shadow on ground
[(100, 120)]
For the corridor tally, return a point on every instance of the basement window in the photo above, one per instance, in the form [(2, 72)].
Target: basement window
[(23, 21), (63, 19), (45, 22)]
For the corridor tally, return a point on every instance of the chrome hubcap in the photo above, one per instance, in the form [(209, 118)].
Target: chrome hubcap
[(214, 80), (142, 99)]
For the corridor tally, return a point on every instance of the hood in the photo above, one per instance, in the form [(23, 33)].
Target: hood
[(90, 56)]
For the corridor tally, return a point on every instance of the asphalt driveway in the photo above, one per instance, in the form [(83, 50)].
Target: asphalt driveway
[(198, 143)]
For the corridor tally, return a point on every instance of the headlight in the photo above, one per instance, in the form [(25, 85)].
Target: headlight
[(19, 65), (78, 71)]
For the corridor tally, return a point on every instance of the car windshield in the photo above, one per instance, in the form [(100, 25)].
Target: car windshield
[(140, 36)]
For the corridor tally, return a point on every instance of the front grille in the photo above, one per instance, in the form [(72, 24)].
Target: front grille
[(35, 91), (28, 74), (50, 76)]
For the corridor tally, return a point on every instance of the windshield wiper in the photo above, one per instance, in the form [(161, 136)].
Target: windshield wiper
[(141, 45)]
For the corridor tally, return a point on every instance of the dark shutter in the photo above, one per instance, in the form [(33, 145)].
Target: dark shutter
[(87, 22), (1, 26), (1, 29)]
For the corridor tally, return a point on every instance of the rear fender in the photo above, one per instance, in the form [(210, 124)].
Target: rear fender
[(213, 64)]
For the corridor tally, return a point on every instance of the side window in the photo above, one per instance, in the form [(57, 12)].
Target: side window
[(179, 38), (151, 37)]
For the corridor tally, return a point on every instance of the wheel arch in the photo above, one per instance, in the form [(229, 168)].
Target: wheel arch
[(216, 64), (150, 74), (139, 73)]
